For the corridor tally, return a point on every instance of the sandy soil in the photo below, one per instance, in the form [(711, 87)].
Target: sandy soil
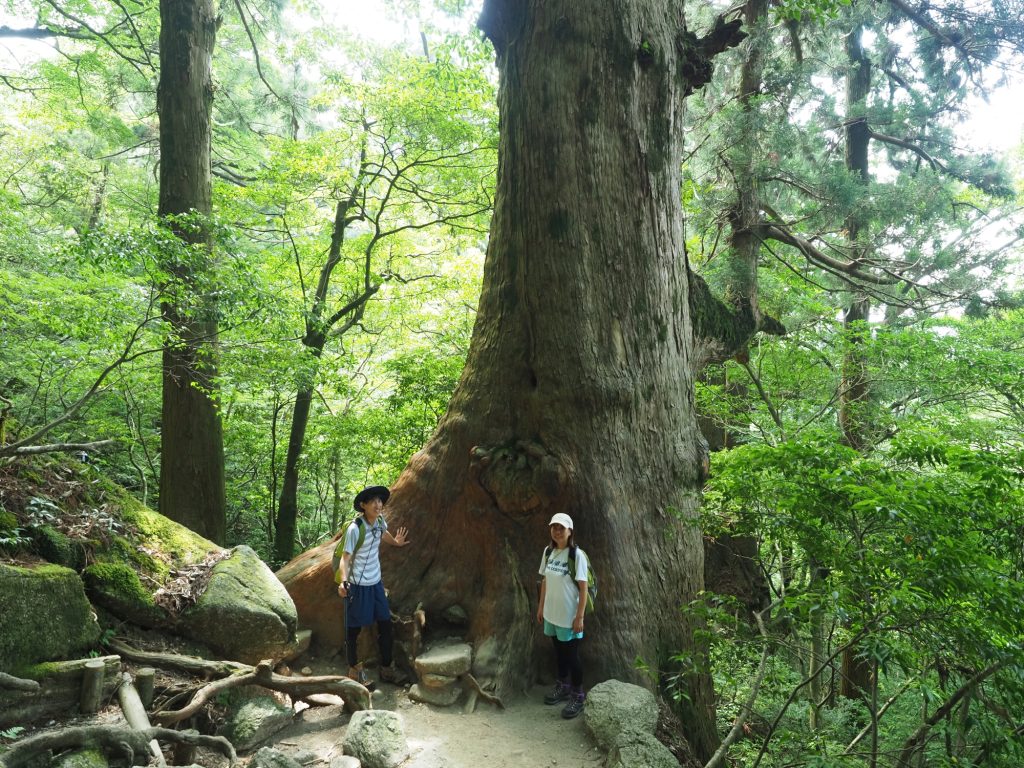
[(526, 734)]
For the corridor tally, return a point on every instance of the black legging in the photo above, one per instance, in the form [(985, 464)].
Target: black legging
[(567, 659), (385, 643)]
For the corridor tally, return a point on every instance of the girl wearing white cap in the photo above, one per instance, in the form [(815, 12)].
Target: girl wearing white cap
[(563, 601)]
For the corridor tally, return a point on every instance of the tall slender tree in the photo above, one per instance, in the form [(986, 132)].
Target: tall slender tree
[(192, 453)]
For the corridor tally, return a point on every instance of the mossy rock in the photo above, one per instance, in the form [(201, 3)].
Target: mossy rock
[(84, 758), (155, 533), (55, 547), (117, 588), (45, 615), (245, 613)]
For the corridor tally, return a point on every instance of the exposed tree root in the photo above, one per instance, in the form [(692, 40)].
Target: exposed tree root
[(191, 664), (473, 687), (354, 695), (115, 741), (12, 683)]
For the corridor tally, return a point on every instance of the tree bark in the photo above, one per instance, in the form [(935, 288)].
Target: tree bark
[(854, 392), (577, 394), (192, 448)]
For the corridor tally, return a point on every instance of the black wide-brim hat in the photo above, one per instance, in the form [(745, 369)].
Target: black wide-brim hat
[(373, 492)]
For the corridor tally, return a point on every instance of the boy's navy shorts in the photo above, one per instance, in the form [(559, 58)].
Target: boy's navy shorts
[(367, 605)]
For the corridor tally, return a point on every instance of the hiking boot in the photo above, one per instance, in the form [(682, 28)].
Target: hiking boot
[(559, 693), (358, 674), (575, 705), (393, 675)]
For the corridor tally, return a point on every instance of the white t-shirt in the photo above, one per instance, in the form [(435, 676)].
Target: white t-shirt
[(365, 567), (561, 593)]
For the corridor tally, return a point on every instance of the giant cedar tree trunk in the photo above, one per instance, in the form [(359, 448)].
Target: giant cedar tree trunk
[(192, 455), (577, 394)]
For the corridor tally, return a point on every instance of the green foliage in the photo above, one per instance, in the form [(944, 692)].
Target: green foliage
[(12, 733)]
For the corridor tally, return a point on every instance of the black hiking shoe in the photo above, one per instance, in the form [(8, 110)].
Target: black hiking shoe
[(575, 705), (559, 693)]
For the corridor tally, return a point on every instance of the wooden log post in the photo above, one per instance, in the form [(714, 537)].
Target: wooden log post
[(145, 680), (185, 751), (92, 686)]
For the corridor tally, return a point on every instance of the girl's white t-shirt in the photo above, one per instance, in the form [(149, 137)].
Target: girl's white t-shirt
[(562, 595)]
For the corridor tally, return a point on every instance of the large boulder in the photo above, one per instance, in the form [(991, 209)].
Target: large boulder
[(45, 616), (253, 721), (622, 718), (635, 748), (310, 582), (377, 738), (116, 587), (245, 613), (613, 707)]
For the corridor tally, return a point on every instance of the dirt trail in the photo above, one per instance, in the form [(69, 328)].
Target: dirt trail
[(526, 734)]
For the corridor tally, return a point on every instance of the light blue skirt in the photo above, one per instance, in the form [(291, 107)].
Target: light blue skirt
[(565, 634)]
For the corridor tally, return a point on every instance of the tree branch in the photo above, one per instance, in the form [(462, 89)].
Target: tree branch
[(815, 256), (911, 745), (28, 450)]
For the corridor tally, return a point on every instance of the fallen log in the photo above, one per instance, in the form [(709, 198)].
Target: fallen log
[(111, 740), (59, 689), (135, 715)]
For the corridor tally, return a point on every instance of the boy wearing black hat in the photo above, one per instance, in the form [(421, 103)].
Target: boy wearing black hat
[(358, 573)]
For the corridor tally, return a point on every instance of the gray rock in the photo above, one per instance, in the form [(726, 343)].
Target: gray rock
[(255, 721), (45, 615), (245, 613), (272, 758), (346, 761), (430, 680), (635, 748), (305, 756), (439, 697), (376, 738), (452, 659), (455, 614), (614, 706)]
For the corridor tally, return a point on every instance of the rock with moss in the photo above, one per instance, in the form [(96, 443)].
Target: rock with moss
[(245, 613), (116, 587), (253, 721), (83, 758), (151, 532), (45, 615), (55, 547)]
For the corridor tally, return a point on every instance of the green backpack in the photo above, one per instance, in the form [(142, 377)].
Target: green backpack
[(591, 576), (340, 549)]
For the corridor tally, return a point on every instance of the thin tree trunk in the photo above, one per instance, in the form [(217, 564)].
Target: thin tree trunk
[(854, 391), (192, 457)]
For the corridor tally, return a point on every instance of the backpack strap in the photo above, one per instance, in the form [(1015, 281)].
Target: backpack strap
[(339, 550)]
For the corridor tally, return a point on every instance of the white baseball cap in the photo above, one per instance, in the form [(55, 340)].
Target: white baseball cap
[(561, 519)]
